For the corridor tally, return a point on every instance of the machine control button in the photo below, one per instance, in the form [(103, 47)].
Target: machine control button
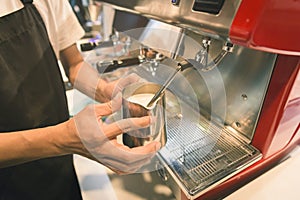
[(175, 2), (228, 47)]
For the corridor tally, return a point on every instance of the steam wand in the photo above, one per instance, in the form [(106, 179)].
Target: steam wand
[(181, 66), (202, 55)]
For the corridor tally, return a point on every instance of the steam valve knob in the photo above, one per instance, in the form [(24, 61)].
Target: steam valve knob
[(228, 47), (206, 42)]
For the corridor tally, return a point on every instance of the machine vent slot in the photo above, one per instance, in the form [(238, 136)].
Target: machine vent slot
[(209, 6)]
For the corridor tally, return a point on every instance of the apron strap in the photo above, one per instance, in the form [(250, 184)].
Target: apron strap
[(26, 1)]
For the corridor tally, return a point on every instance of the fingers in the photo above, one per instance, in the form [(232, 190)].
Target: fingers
[(149, 148), (131, 156), (109, 107), (131, 78), (120, 84), (114, 129), (123, 82), (128, 160)]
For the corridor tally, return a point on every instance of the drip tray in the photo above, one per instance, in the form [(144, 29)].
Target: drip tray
[(200, 155)]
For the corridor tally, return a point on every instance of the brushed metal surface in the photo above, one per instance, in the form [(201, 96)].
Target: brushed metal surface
[(230, 95), (244, 75), (182, 15)]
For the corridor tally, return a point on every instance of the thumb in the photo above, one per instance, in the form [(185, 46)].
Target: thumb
[(109, 107), (147, 149)]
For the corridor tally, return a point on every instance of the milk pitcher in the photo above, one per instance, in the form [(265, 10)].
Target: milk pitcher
[(134, 104)]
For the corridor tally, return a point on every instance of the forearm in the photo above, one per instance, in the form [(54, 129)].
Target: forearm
[(82, 75), (87, 80), (23, 146)]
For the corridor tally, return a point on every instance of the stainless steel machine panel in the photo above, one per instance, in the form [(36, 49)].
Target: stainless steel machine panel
[(211, 115), (213, 106), (243, 74), (183, 15)]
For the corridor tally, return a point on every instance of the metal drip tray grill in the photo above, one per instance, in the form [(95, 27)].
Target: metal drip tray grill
[(203, 154)]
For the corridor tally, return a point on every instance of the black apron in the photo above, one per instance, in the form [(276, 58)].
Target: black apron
[(32, 96)]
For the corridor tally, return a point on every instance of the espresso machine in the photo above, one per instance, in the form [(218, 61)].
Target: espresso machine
[(234, 111)]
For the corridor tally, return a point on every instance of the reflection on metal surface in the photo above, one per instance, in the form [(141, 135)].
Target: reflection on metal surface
[(147, 56), (209, 132), (213, 106), (202, 55), (134, 105), (202, 154), (183, 16), (243, 72)]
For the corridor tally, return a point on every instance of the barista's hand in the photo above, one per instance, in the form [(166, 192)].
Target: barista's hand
[(107, 90), (90, 82), (97, 140)]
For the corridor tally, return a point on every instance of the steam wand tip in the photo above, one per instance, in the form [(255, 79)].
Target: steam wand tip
[(162, 89)]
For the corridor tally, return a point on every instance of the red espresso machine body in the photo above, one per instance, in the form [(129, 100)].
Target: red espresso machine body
[(278, 128), (270, 25), (266, 31)]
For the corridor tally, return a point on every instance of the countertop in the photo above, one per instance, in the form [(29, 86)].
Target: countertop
[(98, 182)]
